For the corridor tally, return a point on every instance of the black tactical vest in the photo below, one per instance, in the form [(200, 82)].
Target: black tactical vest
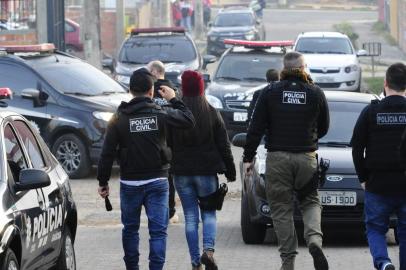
[(293, 110), (386, 123)]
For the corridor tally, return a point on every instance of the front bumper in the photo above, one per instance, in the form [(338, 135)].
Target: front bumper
[(231, 125), (338, 81)]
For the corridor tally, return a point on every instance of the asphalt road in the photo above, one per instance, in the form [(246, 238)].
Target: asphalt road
[(98, 244)]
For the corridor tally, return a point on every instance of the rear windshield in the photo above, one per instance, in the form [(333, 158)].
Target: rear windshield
[(234, 19), (324, 45), (168, 49), (247, 67), (79, 78)]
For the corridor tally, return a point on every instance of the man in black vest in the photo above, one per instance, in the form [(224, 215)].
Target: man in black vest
[(294, 113), (138, 130), (377, 159)]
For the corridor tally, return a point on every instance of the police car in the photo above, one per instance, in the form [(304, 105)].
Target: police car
[(171, 45), (341, 195), (38, 214), (242, 68)]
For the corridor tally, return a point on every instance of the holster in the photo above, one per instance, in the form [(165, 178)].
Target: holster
[(215, 200), (318, 179)]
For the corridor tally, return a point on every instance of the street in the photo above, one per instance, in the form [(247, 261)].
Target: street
[(98, 242)]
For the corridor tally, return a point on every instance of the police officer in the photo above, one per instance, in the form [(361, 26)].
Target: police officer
[(377, 159), (294, 113), (138, 130)]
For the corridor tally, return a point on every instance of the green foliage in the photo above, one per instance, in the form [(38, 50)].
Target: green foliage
[(380, 28), (347, 29), (374, 84)]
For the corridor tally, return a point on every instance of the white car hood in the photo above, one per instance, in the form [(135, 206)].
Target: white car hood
[(330, 60)]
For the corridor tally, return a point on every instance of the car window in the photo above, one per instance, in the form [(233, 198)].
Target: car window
[(234, 19), (14, 153), (31, 144), (17, 78), (255, 66), (343, 116), (324, 45), (168, 49), (79, 78)]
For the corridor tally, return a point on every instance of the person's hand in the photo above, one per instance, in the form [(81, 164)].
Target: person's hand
[(247, 167), (167, 92), (104, 191)]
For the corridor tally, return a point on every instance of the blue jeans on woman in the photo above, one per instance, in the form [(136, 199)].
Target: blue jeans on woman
[(189, 189), (378, 210), (154, 197)]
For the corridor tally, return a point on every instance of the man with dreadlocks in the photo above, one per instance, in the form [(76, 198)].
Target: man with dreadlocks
[(294, 113)]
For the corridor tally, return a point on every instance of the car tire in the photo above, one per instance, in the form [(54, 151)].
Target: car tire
[(10, 261), (67, 258), (72, 153), (251, 233)]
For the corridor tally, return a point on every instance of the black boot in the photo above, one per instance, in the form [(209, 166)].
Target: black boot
[(208, 260), (319, 260)]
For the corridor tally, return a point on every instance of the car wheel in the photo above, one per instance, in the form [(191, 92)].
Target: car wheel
[(72, 154), (10, 261), (251, 233), (67, 258), (395, 232)]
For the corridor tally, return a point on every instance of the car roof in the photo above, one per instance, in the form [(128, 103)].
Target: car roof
[(243, 50), (236, 9), (323, 34), (341, 96)]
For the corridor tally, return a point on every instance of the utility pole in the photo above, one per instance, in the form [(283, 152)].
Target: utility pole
[(199, 28), (120, 15), (42, 22), (91, 32)]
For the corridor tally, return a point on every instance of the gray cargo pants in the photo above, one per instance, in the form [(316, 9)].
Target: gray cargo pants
[(286, 172)]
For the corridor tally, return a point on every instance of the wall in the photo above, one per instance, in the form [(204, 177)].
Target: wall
[(394, 25), (402, 24), (21, 37)]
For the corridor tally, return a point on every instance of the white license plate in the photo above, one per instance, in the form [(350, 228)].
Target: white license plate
[(324, 79), (338, 198), (240, 116)]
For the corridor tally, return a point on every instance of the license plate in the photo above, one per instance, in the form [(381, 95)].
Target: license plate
[(338, 198), (324, 79), (240, 116)]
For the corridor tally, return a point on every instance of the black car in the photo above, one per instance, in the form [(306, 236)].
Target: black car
[(38, 214), (242, 67), (342, 195), (68, 100), (233, 23), (171, 45)]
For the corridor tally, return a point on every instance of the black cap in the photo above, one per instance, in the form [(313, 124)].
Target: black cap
[(141, 81)]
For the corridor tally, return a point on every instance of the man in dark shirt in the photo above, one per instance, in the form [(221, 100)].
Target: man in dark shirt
[(377, 159)]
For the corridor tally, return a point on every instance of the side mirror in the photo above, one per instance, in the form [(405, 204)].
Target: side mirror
[(362, 53), (240, 139), (108, 63), (39, 97), (32, 179), (208, 59)]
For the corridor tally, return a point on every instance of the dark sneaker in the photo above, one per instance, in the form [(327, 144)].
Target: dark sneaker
[(197, 267), (319, 260), (388, 266), (208, 260)]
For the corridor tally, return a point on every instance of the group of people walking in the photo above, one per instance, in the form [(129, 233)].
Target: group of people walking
[(183, 13), (161, 134)]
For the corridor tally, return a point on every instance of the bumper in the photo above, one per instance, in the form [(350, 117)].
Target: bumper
[(231, 125), (340, 81)]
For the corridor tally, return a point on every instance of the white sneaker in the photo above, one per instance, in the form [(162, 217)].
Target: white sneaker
[(388, 266), (174, 219)]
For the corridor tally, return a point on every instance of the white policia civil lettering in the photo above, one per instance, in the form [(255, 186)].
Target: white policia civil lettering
[(291, 97), (144, 124), (391, 118)]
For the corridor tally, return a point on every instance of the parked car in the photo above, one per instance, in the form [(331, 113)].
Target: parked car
[(233, 23), (73, 44), (38, 213), (170, 45), (342, 195), (331, 60), (242, 68), (68, 100)]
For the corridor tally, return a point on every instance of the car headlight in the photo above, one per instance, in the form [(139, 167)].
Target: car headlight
[(250, 35), (214, 101), (351, 68), (123, 79), (261, 159), (105, 116), (212, 38)]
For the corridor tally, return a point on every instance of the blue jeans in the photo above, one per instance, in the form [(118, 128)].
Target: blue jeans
[(186, 22), (189, 188), (378, 210), (154, 197)]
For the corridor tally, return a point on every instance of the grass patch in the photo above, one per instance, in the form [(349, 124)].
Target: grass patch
[(380, 28), (347, 29), (374, 85)]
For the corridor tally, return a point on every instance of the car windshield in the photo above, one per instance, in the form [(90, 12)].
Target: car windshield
[(234, 19), (324, 45), (79, 78), (343, 116), (254, 67), (168, 49)]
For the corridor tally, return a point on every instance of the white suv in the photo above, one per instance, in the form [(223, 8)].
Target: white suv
[(331, 60)]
